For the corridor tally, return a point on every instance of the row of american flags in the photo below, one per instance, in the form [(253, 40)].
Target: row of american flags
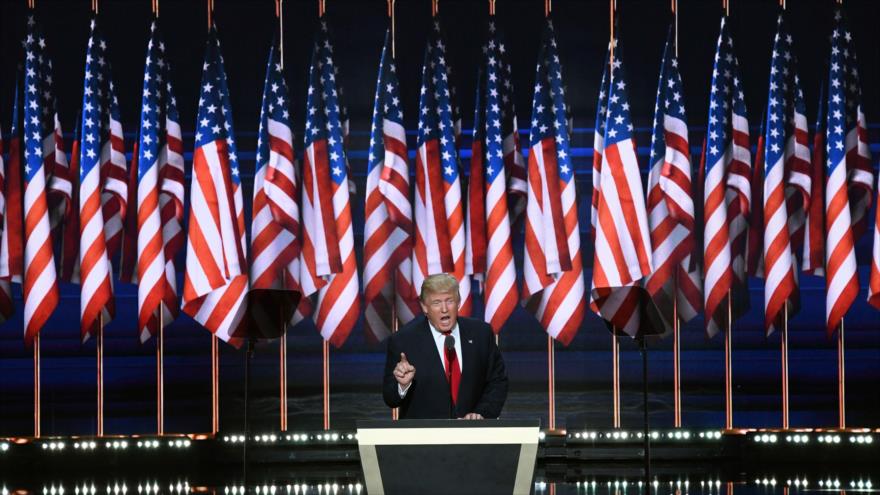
[(684, 244)]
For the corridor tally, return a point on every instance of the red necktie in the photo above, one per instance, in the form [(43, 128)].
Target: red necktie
[(453, 372)]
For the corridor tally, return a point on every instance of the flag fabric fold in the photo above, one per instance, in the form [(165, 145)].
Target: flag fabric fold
[(622, 256), (440, 227), (329, 266), (388, 243), (786, 181), (726, 190), (675, 284), (42, 158), (553, 270), (103, 187), (6, 304), (157, 167), (216, 279), (275, 229), (497, 182)]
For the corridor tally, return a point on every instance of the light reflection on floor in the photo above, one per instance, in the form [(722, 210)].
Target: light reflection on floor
[(762, 484)]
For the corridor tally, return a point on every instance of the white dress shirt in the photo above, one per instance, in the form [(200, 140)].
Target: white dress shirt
[(440, 341)]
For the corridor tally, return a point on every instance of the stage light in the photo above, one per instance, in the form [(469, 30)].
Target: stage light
[(541, 435), (655, 435), (4, 446)]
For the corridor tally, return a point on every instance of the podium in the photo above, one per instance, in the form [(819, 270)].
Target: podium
[(448, 456)]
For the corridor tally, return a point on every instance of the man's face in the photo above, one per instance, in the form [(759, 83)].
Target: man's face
[(441, 309)]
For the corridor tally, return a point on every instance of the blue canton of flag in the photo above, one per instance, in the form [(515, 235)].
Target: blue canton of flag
[(324, 111), (618, 126), (549, 118), (39, 101), (274, 106), (499, 103), (215, 110), (157, 103), (844, 94), (726, 91), (436, 94), (386, 107), (786, 96), (100, 105), (671, 100)]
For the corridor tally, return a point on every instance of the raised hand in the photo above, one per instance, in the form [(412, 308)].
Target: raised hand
[(404, 372)]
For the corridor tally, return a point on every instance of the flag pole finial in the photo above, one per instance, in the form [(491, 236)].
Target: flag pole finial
[(491, 7), (210, 14), (322, 8), (548, 7), (435, 8)]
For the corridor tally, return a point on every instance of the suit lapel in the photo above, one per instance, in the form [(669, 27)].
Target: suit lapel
[(468, 359), (430, 346)]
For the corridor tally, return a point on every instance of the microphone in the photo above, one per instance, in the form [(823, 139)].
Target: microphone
[(449, 343)]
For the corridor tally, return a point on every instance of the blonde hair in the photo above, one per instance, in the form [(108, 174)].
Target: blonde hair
[(439, 283)]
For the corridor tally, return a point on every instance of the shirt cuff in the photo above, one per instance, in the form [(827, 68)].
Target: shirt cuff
[(402, 391)]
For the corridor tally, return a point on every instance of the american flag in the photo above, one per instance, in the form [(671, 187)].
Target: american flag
[(159, 159), (676, 280), (497, 182), (814, 231), (786, 180), (329, 267), (440, 231), (69, 253), (850, 178), (103, 188), (726, 192), (275, 229), (11, 242), (42, 158), (216, 279), (622, 255), (388, 228), (553, 270), (6, 306)]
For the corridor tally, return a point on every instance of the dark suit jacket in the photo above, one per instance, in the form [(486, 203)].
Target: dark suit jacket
[(483, 386)]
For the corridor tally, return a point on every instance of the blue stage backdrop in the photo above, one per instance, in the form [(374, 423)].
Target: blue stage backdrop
[(583, 368)]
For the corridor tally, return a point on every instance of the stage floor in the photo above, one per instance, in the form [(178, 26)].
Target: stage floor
[(598, 462)]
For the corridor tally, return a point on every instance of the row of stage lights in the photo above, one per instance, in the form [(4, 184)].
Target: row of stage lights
[(335, 488), (831, 439), (683, 435), (684, 486), (295, 438), (87, 445), (349, 437)]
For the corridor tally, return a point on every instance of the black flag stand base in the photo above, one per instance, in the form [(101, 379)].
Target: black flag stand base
[(646, 435), (247, 430)]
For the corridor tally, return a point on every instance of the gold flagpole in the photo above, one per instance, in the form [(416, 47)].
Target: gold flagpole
[(282, 342), (100, 354), (615, 344), (322, 7), (728, 338), (100, 343), (37, 365), (215, 344), (395, 325), (676, 324), (728, 365), (551, 348), (160, 374), (841, 378), (784, 351), (160, 337), (36, 345)]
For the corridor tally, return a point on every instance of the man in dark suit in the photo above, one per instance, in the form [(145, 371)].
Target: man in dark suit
[(442, 366)]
